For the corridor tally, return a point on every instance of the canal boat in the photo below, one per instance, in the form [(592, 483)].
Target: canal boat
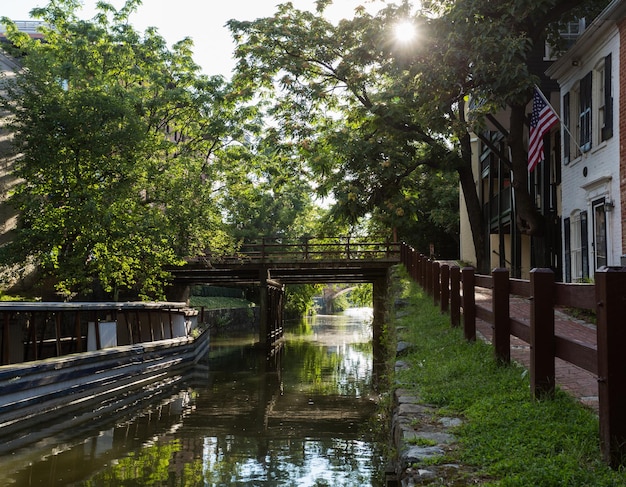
[(86, 358)]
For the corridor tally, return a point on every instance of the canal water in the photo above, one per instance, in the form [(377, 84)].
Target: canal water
[(303, 416)]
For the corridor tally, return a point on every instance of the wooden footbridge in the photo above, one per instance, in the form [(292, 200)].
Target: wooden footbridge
[(272, 263)]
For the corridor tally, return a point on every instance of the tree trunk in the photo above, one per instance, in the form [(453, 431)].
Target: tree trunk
[(472, 203), (528, 219)]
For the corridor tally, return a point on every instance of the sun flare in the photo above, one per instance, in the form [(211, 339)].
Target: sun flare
[(405, 31)]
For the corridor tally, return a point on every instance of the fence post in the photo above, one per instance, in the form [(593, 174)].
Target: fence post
[(455, 296), (542, 333), (436, 274), (469, 304), (445, 289), (428, 278), (501, 315), (611, 309)]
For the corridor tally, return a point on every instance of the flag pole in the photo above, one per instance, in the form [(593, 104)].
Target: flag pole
[(565, 127)]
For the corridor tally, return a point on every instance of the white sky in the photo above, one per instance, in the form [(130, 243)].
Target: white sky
[(202, 20)]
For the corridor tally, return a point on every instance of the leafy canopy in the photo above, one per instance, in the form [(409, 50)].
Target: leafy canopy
[(123, 145)]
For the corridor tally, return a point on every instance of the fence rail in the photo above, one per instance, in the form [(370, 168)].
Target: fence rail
[(454, 290), (317, 248)]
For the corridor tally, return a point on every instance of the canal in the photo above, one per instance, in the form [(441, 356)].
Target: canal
[(305, 416)]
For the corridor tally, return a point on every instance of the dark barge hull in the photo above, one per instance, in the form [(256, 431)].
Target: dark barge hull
[(83, 386)]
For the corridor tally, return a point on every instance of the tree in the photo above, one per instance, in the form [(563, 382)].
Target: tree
[(400, 109), (123, 146), (271, 196), (342, 91), (497, 45)]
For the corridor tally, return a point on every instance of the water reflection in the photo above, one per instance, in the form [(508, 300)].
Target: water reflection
[(300, 418)]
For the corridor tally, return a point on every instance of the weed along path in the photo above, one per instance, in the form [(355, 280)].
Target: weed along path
[(462, 418)]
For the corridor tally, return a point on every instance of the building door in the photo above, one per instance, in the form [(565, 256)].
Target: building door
[(599, 233)]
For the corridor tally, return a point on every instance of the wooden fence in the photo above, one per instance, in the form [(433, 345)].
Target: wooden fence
[(453, 290)]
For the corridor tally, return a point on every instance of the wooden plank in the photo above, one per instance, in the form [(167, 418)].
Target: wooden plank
[(520, 329), (483, 281), (575, 295), (455, 296), (436, 277), (484, 314), (583, 355), (445, 288), (501, 315), (610, 285), (469, 304), (519, 287), (542, 369)]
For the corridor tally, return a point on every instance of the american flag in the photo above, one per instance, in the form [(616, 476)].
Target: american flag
[(542, 119)]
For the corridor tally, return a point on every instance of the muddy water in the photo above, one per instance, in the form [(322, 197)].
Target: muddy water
[(305, 416)]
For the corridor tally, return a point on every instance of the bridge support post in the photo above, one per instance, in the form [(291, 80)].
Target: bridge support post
[(380, 329), (178, 292), (264, 301), (272, 307)]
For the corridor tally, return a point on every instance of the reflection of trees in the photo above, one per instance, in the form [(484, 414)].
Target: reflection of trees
[(150, 466), (341, 461), (347, 371), (253, 419)]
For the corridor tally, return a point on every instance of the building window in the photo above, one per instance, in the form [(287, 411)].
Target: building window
[(576, 247), (582, 127), (584, 242), (572, 122), (604, 99), (569, 34), (599, 237)]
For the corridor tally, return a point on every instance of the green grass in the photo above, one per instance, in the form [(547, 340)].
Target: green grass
[(218, 302), (507, 438)]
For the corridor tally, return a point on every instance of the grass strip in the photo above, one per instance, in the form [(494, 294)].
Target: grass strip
[(507, 438), (218, 302)]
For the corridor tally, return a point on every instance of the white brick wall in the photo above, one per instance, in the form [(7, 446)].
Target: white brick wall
[(595, 174)]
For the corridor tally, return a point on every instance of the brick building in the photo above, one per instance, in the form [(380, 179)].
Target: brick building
[(593, 132)]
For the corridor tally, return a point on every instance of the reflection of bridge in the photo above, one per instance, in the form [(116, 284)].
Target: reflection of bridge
[(274, 262)]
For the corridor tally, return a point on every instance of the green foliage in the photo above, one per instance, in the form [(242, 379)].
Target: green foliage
[(362, 295), (218, 302), (151, 464), (507, 436), (299, 299), (377, 122), (339, 98), (123, 144)]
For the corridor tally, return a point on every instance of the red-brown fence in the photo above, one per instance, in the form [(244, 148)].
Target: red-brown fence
[(453, 289)]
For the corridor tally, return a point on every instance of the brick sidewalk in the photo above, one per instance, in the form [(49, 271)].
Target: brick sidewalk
[(581, 384)]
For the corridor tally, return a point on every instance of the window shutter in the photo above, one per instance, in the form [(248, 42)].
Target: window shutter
[(566, 133), (567, 250)]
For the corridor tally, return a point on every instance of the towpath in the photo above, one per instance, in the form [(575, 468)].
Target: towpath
[(580, 383)]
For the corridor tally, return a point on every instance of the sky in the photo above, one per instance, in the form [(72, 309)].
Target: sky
[(202, 20)]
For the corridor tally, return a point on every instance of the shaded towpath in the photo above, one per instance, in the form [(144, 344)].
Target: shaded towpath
[(580, 383)]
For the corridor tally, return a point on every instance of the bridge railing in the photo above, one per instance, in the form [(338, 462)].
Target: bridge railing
[(318, 248)]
